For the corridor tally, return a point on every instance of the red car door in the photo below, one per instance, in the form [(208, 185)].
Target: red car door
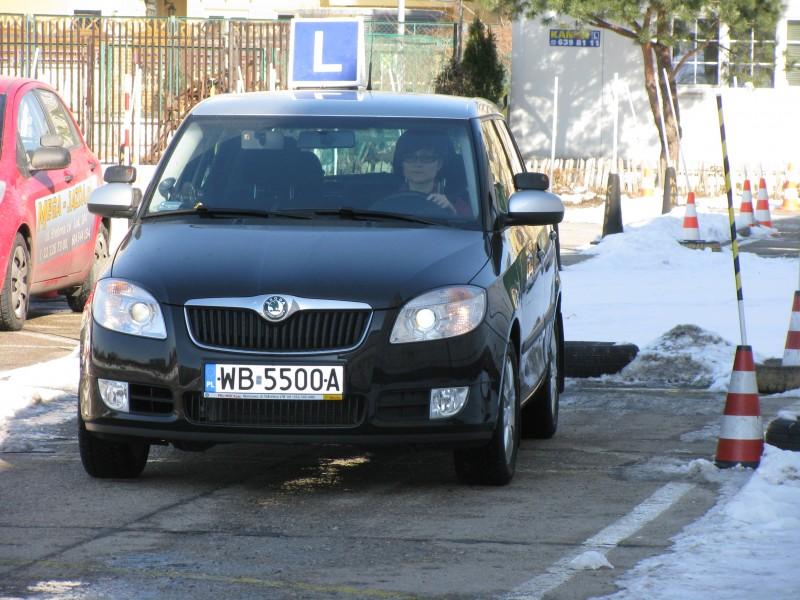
[(79, 178), (39, 192)]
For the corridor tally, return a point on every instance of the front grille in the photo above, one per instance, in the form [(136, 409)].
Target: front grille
[(149, 399), (254, 412), (404, 406), (244, 329)]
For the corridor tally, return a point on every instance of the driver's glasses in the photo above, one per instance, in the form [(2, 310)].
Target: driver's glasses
[(425, 158)]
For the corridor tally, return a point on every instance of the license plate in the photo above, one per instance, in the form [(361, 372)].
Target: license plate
[(278, 382)]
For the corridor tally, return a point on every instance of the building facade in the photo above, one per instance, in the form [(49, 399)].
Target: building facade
[(757, 73)]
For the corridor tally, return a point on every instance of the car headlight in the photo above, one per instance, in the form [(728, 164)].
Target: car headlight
[(439, 314), (122, 306)]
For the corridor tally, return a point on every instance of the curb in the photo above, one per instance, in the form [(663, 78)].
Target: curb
[(593, 359), (784, 433), (773, 378)]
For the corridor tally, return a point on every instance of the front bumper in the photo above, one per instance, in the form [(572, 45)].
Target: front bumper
[(387, 389)]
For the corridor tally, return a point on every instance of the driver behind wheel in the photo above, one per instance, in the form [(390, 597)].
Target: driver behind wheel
[(422, 158)]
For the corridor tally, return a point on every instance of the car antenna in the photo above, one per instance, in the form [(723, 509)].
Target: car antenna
[(369, 68)]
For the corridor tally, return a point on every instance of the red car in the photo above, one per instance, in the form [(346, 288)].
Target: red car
[(48, 239)]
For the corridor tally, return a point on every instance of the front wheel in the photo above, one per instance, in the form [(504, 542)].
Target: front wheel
[(494, 464), (111, 460)]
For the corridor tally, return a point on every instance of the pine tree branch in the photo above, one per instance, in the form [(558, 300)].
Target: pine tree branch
[(603, 24)]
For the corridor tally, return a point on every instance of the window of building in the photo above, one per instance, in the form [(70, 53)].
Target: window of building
[(752, 55), (702, 67), (793, 52)]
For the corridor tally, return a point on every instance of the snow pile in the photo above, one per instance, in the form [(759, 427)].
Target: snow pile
[(642, 283), (590, 560), (22, 387), (685, 356), (744, 547)]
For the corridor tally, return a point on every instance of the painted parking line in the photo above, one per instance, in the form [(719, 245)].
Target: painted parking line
[(603, 542)]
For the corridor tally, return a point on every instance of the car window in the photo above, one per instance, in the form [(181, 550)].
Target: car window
[(61, 121), (31, 124), (502, 176), (415, 167), (508, 143)]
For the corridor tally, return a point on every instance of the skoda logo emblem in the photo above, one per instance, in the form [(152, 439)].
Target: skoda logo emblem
[(275, 308)]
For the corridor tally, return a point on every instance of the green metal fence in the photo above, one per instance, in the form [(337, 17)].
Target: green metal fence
[(139, 76)]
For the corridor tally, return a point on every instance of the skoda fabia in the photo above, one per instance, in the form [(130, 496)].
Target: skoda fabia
[(340, 267)]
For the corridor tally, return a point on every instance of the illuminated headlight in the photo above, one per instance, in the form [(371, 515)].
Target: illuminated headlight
[(122, 306), (446, 402), (114, 394), (439, 314)]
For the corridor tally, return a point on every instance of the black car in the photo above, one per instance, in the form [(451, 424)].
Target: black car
[(337, 267)]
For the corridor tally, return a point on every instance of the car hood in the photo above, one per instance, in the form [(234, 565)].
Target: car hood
[(381, 264)]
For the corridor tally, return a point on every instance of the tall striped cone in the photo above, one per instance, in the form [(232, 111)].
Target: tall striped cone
[(746, 210), (791, 354), (762, 205), (691, 231), (741, 437)]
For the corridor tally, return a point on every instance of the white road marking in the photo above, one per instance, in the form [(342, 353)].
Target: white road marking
[(605, 541)]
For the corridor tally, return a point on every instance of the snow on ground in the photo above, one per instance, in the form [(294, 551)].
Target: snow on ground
[(642, 283)]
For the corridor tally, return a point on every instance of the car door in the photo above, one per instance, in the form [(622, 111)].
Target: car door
[(39, 192), (533, 301), (79, 179)]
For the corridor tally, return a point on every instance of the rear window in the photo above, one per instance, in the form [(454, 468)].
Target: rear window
[(407, 166)]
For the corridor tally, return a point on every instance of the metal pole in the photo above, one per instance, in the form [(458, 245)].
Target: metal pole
[(734, 244), (555, 129), (674, 106), (616, 122), (401, 17)]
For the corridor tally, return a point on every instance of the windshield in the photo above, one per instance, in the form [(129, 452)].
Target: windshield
[(414, 167)]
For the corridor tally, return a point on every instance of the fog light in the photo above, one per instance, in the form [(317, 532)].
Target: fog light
[(445, 402), (114, 394)]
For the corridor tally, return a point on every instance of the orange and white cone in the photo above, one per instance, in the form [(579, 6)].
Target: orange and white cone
[(741, 436), (791, 354), (691, 230), (762, 205), (746, 209)]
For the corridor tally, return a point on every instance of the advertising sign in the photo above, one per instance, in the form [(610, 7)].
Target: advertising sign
[(575, 38)]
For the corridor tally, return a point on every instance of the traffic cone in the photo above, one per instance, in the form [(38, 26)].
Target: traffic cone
[(741, 436), (691, 230), (791, 190), (746, 208), (762, 205), (791, 354)]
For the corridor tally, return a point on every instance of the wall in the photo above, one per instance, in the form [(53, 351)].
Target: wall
[(129, 8), (762, 125)]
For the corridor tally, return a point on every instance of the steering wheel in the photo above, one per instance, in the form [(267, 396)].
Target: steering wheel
[(412, 203)]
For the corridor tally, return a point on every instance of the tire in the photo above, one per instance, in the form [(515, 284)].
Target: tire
[(784, 434), (494, 463), (15, 293), (540, 414), (593, 359), (111, 460), (78, 298)]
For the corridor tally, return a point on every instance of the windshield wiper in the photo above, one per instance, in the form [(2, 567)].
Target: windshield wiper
[(357, 215), (206, 211)]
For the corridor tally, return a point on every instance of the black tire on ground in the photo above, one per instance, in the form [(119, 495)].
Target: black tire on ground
[(784, 433), (77, 298), (494, 463), (110, 460), (14, 294), (592, 359), (540, 414)]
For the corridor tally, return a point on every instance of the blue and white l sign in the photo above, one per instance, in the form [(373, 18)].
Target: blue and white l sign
[(327, 53)]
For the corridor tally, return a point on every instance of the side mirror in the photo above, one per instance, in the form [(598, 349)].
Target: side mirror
[(533, 207), (115, 200), (531, 181), (48, 158), (119, 174)]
